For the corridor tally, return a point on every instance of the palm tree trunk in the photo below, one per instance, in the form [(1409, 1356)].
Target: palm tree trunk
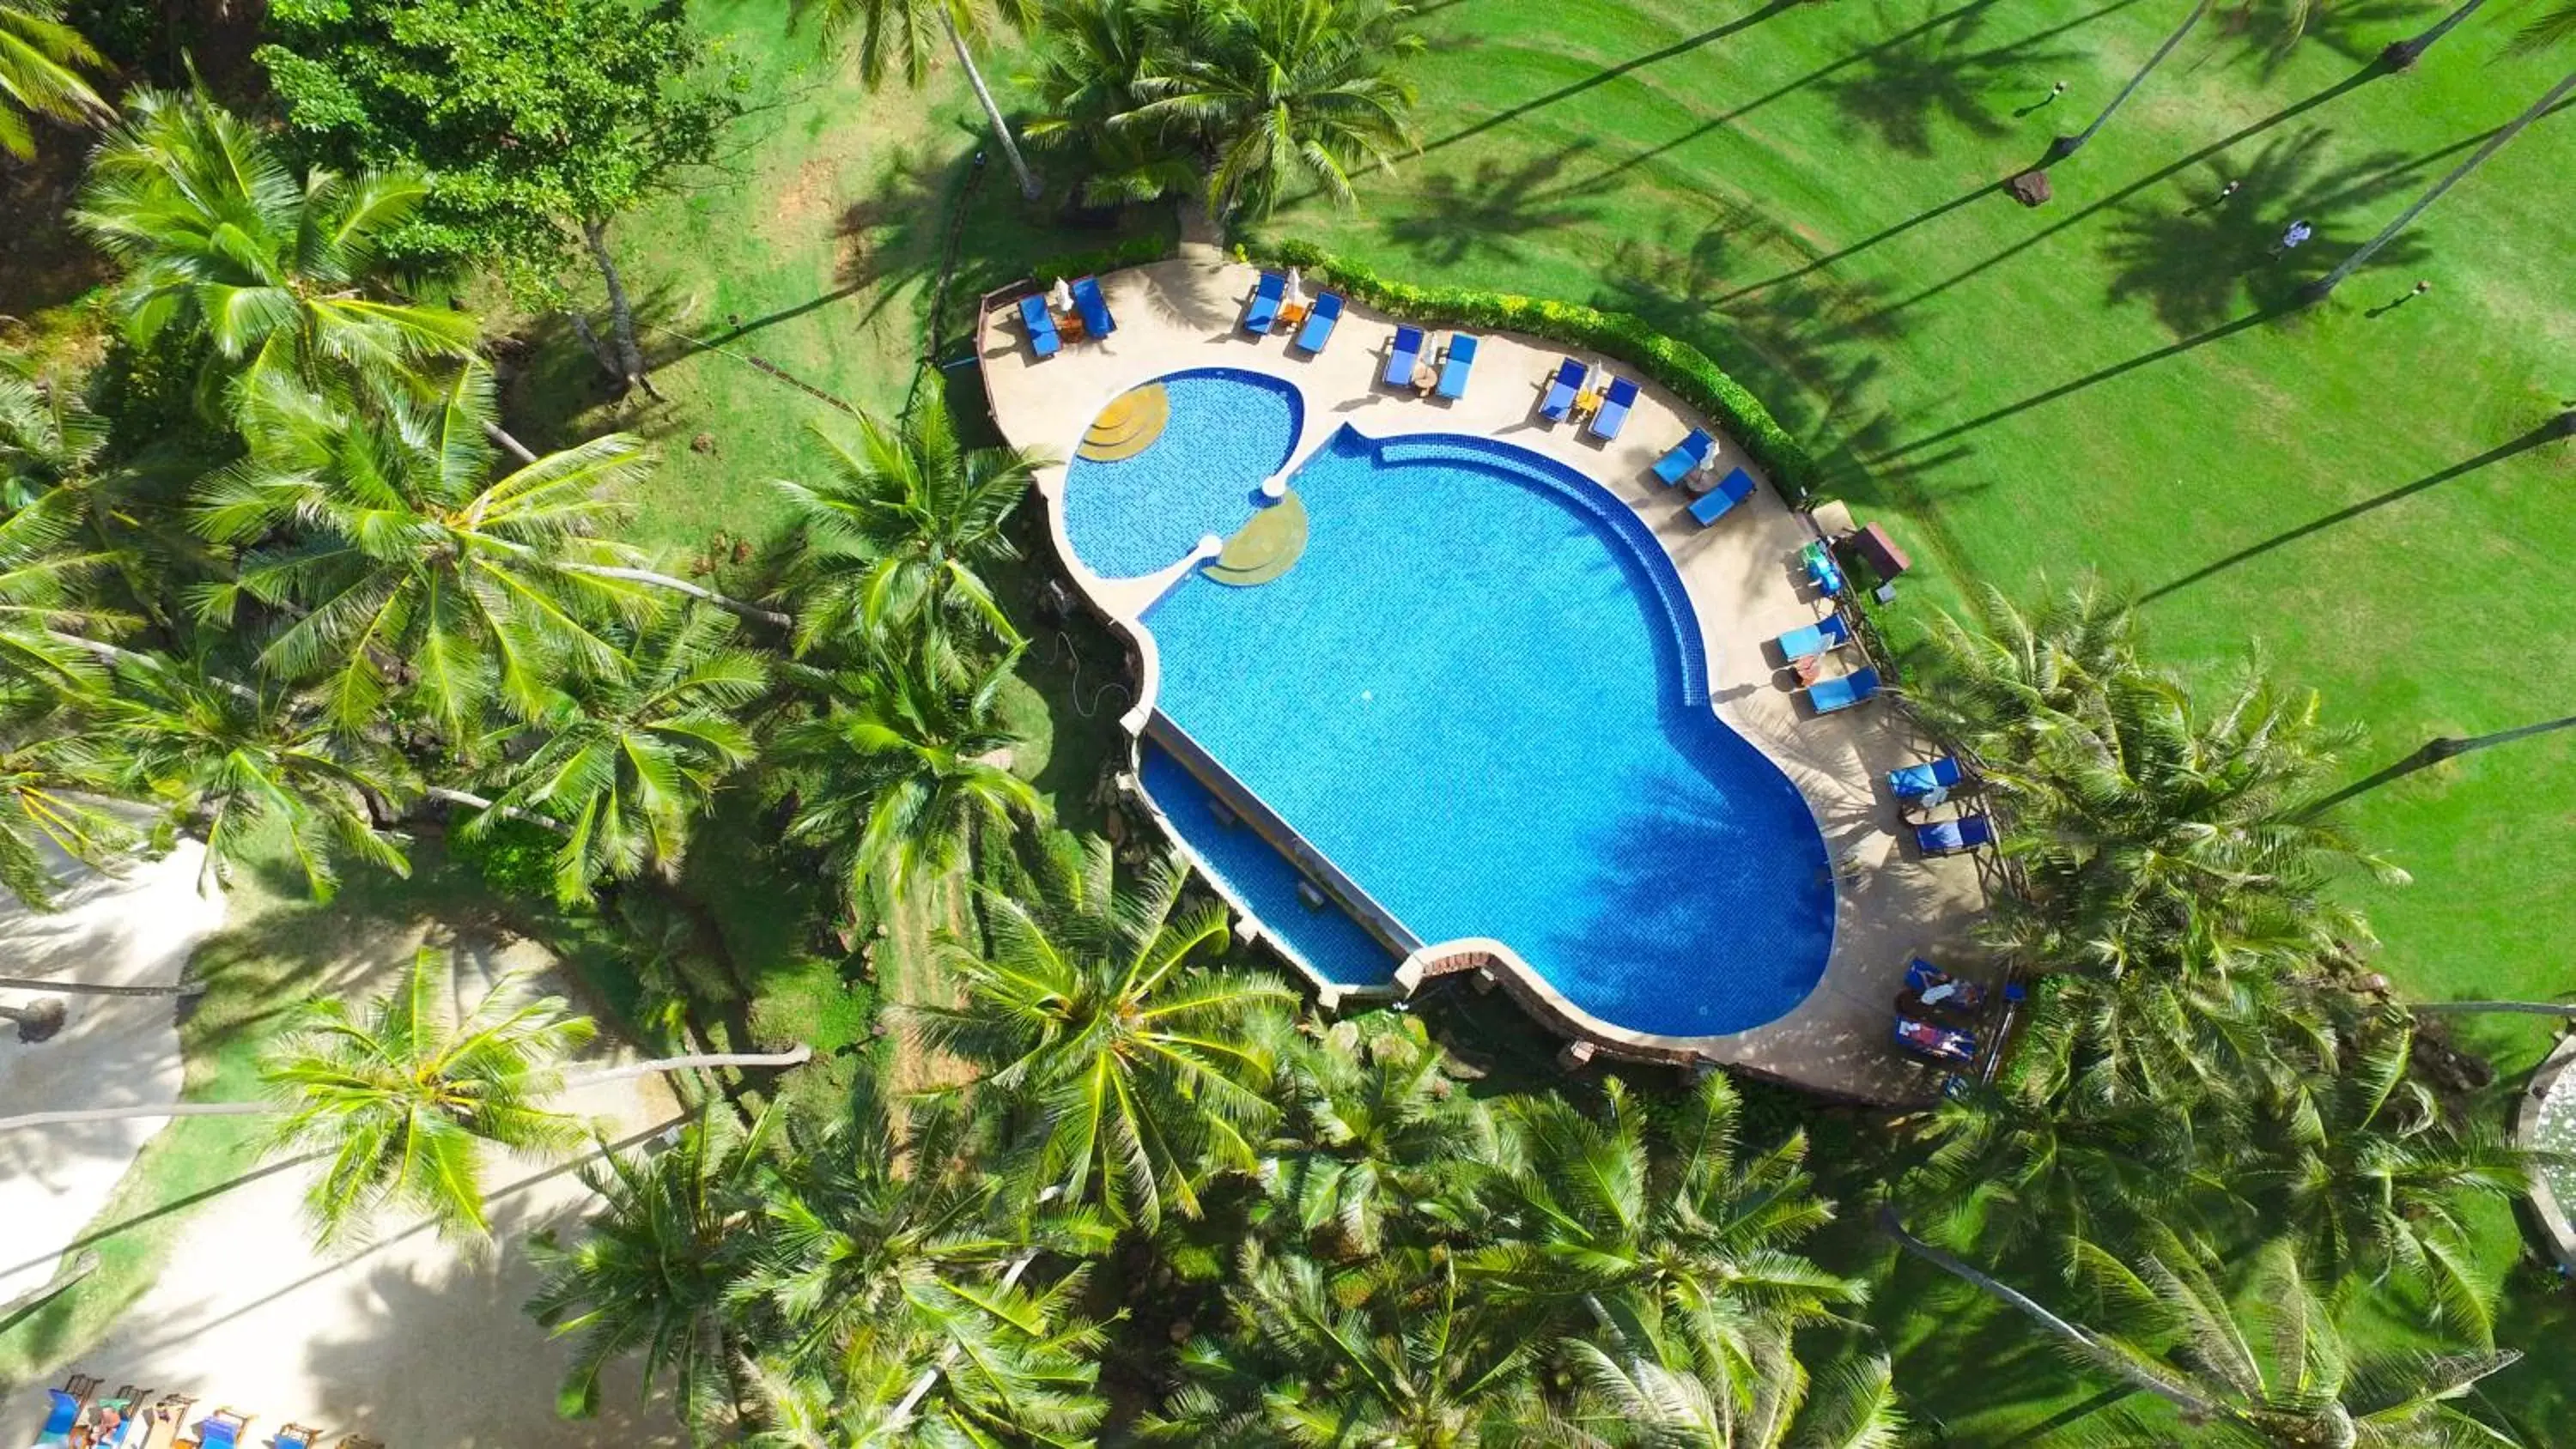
[(621, 313), (473, 801), (753, 612), (1029, 189), (2069, 145), (189, 986), (600, 351), (2402, 54), (508, 444), (800, 1053), (2531, 1008), (114, 655), (2092, 1348), (2476, 159), (911, 1401)]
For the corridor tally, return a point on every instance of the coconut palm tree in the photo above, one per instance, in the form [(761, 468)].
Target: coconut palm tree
[(1629, 1217), (1643, 1396), (898, 535), (2025, 1157), (40, 64), (2273, 1372), (1101, 63), (1374, 1129), (49, 629), (1132, 1075), (625, 759), (1396, 1351), (52, 767), (657, 1270), (904, 768), (1290, 91), (2554, 27), (121, 514), (907, 34), (281, 273)]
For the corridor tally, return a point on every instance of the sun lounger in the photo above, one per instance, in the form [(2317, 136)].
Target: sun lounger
[(1822, 571), (1560, 391), (1954, 837), (1687, 454), (1711, 506), (1042, 336), (1941, 1043), (1923, 978), (1612, 415), (1403, 357), (1453, 369), (1319, 322), (1821, 637), (222, 1429), (1096, 321), (60, 1418), (1264, 311), (296, 1436), (1842, 691), (1915, 781)]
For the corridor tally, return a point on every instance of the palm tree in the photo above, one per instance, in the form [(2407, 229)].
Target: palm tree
[(38, 76), (658, 1270), (282, 273), (122, 510), (1100, 65), (1292, 90), (1393, 1352), (904, 768), (1645, 1397), (47, 625), (52, 762), (2066, 1164), (626, 758), (1133, 1075), (1628, 1217), (900, 532), (2554, 27), (908, 32), (1374, 1130)]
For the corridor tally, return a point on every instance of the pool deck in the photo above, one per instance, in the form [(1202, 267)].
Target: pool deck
[(1743, 582)]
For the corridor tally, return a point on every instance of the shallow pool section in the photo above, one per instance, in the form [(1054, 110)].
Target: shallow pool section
[(1228, 431), (1324, 939), (1481, 694)]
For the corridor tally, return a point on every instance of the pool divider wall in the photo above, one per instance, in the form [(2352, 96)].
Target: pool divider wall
[(2554, 1223)]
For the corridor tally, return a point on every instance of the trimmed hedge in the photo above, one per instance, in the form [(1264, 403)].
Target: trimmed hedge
[(1135, 251), (1675, 364)]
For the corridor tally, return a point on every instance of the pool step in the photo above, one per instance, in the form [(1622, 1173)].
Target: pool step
[(1265, 547), (1129, 425)]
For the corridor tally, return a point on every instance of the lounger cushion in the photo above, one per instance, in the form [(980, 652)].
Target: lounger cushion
[(1923, 779), (1561, 390), (1042, 335), (1319, 323), (1687, 454), (1453, 371), (1613, 412), (1094, 308), (1401, 358), (1265, 303)]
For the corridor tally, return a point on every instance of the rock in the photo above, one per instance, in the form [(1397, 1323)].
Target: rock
[(703, 443), (2029, 188)]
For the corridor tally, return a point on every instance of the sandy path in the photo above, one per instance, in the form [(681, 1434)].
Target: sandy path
[(405, 1340), (133, 929)]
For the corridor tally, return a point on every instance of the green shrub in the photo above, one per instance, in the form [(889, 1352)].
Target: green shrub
[(1135, 251), (1675, 364), (516, 859)]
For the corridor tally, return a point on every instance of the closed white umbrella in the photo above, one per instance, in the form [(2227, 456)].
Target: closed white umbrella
[(1296, 288), (1060, 296)]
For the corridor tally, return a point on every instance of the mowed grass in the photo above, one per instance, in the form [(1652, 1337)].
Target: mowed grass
[(2113, 381)]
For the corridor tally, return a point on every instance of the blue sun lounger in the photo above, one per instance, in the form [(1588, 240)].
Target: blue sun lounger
[(1922, 976), (1828, 633), (221, 1430), (1042, 338), (1453, 368), (1941, 1043), (1094, 308), (1954, 837), (1264, 310), (1319, 322), (60, 1418), (1612, 415), (1687, 454), (1842, 691), (1560, 391), (1732, 490), (1401, 358), (1918, 780)]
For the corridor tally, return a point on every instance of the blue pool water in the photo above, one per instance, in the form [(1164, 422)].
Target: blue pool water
[(1480, 693), (1229, 430)]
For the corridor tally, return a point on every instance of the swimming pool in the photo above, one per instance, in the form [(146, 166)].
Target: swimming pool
[(1227, 430), (1480, 694)]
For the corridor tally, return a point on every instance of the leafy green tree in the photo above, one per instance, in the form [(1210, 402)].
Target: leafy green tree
[(1103, 61), (51, 768), (538, 120), (283, 274), (48, 630), (1134, 1075), (1651, 1219), (626, 758), (120, 513), (903, 769), (906, 34), (897, 537), (1374, 1129), (41, 59), (1645, 1396)]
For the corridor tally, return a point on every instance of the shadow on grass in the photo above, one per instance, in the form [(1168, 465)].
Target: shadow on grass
[(1485, 214), (2434, 752), (1933, 71)]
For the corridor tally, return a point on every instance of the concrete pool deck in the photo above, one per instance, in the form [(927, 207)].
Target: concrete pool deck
[(1741, 576)]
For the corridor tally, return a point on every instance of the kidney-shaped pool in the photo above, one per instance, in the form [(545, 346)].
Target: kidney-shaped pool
[(1480, 694)]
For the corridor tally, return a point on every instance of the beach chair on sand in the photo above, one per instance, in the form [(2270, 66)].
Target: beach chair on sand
[(1403, 357), (1561, 389), (1687, 454), (1096, 321), (1843, 691), (1454, 367), (1612, 415), (1940, 1043), (1821, 637), (222, 1429), (1264, 311), (1954, 837), (1042, 334), (1916, 781), (1320, 321)]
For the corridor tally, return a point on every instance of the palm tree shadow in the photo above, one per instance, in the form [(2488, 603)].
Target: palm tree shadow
[(1903, 86), (2357, 30), (1459, 217)]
